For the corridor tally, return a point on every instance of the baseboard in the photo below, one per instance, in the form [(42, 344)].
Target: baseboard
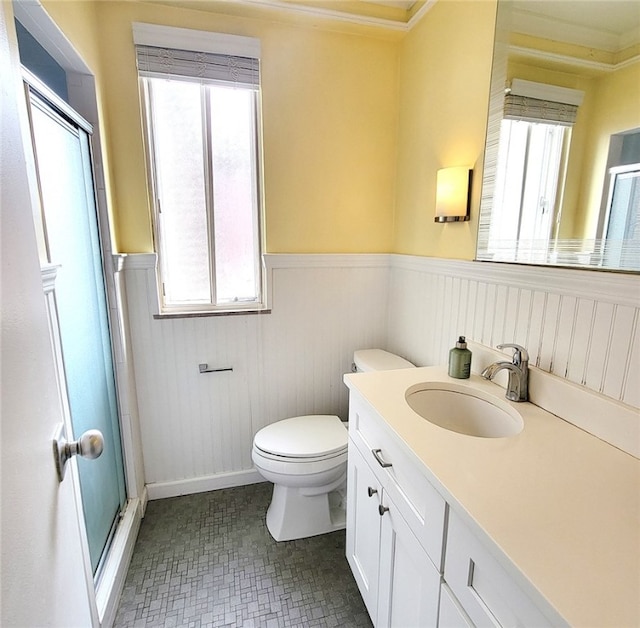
[(144, 500), (112, 580), (161, 490)]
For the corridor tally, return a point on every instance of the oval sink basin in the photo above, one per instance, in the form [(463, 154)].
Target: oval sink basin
[(464, 410)]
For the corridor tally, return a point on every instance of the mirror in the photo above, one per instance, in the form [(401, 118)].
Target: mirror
[(561, 182)]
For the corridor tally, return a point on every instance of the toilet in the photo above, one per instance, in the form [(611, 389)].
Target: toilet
[(305, 458)]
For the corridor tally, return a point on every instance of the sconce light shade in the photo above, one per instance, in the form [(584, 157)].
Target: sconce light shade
[(452, 194)]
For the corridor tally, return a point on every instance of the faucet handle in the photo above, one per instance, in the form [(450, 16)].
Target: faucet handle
[(520, 356)]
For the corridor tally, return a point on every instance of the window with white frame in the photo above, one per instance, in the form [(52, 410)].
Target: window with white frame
[(535, 136), (202, 109)]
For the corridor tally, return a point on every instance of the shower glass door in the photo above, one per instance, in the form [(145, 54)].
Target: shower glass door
[(63, 161)]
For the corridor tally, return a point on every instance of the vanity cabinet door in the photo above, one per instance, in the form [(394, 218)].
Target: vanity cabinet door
[(363, 528), (422, 507), (409, 582), (487, 593), (451, 614)]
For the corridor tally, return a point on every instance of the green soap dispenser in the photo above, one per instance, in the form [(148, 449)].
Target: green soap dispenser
[(460, 360)]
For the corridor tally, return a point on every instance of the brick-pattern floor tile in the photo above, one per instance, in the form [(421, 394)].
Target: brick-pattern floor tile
[(207, 560)]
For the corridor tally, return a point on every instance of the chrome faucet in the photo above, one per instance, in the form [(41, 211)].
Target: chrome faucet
[(518, 384)]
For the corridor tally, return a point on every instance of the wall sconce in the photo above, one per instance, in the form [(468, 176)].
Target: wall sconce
[(453, 198)]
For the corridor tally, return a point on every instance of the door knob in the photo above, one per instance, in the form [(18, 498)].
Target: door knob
[(89, 445)]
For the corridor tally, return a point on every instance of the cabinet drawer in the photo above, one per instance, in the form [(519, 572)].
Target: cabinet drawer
[(419, 503), (485, 590)]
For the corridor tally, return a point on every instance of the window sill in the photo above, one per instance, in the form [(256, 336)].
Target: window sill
[(207, 313)]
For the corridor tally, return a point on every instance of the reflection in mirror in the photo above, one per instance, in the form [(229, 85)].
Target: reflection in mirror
[(561, 182)]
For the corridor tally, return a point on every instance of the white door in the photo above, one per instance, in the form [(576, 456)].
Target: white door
[(43, 568), (409, 588), (363, 528)]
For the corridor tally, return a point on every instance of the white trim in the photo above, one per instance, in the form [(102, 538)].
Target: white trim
[(531, 23), (198, 41), (43, 92), (588, 64), (620, 288), (203, 484), (118, 261), (331, 14), (544, 91), (48, 274), (138, 261), (30, 13), (116, 566), (420, 13)]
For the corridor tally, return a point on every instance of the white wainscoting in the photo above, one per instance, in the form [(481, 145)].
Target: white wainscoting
[(576, 324), (197, 429)]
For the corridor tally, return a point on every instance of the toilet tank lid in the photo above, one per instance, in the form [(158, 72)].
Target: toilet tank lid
[(303, 436), (379, 360)]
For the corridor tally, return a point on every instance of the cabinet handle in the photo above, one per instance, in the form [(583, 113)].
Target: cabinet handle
[(371, 491), (382, 509), (378, 457)]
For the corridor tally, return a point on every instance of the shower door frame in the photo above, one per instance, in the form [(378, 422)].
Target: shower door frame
[(103, 595)]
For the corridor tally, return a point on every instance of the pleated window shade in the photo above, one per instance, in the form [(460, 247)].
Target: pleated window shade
[(535, 110), (210, 67), (539, 102)]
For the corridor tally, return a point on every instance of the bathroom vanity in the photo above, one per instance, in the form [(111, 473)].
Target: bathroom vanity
[(540, 528)]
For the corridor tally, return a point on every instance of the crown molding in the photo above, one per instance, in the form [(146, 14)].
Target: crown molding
[(342, 16), (530, 23), (587, 64)]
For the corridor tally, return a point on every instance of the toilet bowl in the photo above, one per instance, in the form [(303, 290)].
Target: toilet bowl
[(305, 458)]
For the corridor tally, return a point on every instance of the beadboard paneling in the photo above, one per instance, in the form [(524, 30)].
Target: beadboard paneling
[(285, 363), (197, 429), (578, 325)]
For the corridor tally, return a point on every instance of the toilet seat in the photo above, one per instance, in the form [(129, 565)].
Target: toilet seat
[(297, 467), (307, 438), (301, 460)]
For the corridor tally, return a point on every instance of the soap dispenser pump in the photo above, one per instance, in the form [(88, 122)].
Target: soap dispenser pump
[(460, 360)]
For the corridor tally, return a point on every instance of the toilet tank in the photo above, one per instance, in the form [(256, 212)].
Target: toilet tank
[(378, 360)]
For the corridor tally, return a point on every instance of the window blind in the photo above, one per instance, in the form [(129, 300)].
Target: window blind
[(535, 110), (213, 67)]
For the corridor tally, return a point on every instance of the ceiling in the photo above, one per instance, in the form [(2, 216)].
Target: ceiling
[(604, 24)]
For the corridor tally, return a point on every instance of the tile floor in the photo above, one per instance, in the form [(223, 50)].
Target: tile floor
[(208, 560)]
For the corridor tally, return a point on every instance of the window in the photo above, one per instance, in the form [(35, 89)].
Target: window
[(203, 146), (621, 246), (535, 135), (529, 182)]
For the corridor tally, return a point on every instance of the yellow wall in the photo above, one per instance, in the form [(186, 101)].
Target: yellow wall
[(445, 69), (611, 104), (329, 125), (616, 108), (356, 124), (79, 22)]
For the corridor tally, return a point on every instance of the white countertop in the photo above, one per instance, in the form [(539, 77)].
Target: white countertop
[(562, 505)]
